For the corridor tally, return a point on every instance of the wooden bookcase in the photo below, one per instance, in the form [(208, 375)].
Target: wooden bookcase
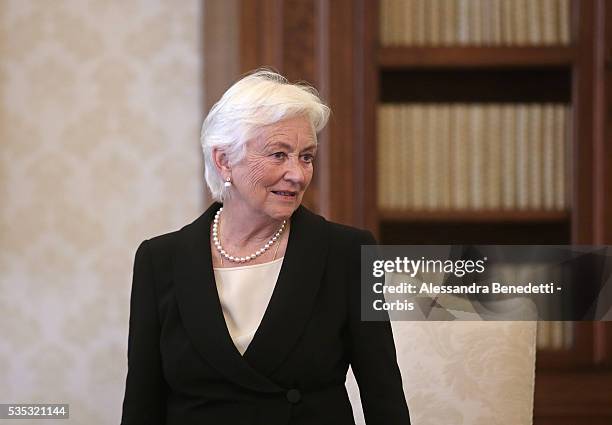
[(573, 385), (334, 45)]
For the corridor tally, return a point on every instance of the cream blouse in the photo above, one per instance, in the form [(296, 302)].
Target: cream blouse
[(244, 293)]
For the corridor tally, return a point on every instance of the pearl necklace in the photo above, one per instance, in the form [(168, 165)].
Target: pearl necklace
[(217, 242)]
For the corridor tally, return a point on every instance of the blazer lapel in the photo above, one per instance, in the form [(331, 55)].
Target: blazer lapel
[(200, 308), (294, 295)]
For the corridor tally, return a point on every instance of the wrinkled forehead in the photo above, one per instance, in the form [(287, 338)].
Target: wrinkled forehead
[(293, 133)]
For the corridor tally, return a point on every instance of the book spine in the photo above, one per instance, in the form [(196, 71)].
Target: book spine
[(476, 167), (535, 156), (556, 335), (564, 21), (487, 21), (431, 172), (568, 335), (508, 157), (460, 166), (418, 22), (393, 121), (522, 153), (475, 20), (533, 22), (463, 14), (405, 157), (433, 22), (418, 120), (508, 23), (496, 22), (548, 142), (383, 22), (560, 146), (568, 119), (449, 22), (382, 156), (543, 335), (520, 21), (549, 13), (406, 12), (444, 142), (494, 157)]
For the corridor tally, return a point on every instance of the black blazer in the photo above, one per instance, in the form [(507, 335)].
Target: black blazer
[(184, 369)]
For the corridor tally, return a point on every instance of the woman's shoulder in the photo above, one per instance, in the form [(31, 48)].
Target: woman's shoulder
[(164, 246), (165, 242)]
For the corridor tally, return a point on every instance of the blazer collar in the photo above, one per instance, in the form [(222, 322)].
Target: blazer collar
[(285, 317)]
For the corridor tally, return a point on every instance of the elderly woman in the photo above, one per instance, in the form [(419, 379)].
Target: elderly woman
[(251, 314)]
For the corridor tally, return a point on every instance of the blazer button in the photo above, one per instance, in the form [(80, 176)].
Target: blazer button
[(294, 396)]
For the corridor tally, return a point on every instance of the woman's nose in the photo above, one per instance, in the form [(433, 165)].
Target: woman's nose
[(294, 171)]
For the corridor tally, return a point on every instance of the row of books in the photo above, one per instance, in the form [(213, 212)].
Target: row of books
[(551, 335), (474, 22), (473, 156), (555, 335)]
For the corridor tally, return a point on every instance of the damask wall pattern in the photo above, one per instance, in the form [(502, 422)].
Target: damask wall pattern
[(100, 109)]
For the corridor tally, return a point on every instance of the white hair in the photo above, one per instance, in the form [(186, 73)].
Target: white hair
[(261, 98)]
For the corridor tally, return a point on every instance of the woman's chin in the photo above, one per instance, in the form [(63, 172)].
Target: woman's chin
[(283, 212)]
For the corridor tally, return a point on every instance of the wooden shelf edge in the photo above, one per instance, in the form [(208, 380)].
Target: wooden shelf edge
[(474, 57), (489, 216)]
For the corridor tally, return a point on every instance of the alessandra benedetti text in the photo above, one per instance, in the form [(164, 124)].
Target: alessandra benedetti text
[(473, 288)]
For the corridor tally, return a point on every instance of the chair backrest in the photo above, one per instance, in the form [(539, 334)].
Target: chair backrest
[(464, 372)]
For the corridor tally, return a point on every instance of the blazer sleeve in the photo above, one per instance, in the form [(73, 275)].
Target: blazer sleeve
[(372, 356), (145, 390)]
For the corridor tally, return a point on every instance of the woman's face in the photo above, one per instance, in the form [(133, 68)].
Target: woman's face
[(276, 169)]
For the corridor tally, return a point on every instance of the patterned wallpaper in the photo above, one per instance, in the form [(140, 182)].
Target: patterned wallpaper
[(100, 109)]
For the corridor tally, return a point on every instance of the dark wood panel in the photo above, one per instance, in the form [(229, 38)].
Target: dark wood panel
[(475, 57), (602, 334), (583, 15), (481, 85), (298, 41), (581, 419), (371, 98), (261, 34), (321, 80), (603, 123), (602, 347), (449, 232), (342, 99), (221, 67), (582, 395)]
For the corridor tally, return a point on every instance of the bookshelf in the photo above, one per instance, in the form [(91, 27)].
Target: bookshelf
[(337, 46), (480, 216), (393, 57), (483, 74)]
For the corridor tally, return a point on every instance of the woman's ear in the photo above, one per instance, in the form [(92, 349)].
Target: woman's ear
[(221, 161)]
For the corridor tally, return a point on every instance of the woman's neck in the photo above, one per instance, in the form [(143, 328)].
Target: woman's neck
[(241, 226)]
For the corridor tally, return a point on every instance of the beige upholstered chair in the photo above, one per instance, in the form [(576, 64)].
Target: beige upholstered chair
[(468, 373)]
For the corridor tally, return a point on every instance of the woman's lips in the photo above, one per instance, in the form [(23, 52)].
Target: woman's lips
[(285, 193)]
